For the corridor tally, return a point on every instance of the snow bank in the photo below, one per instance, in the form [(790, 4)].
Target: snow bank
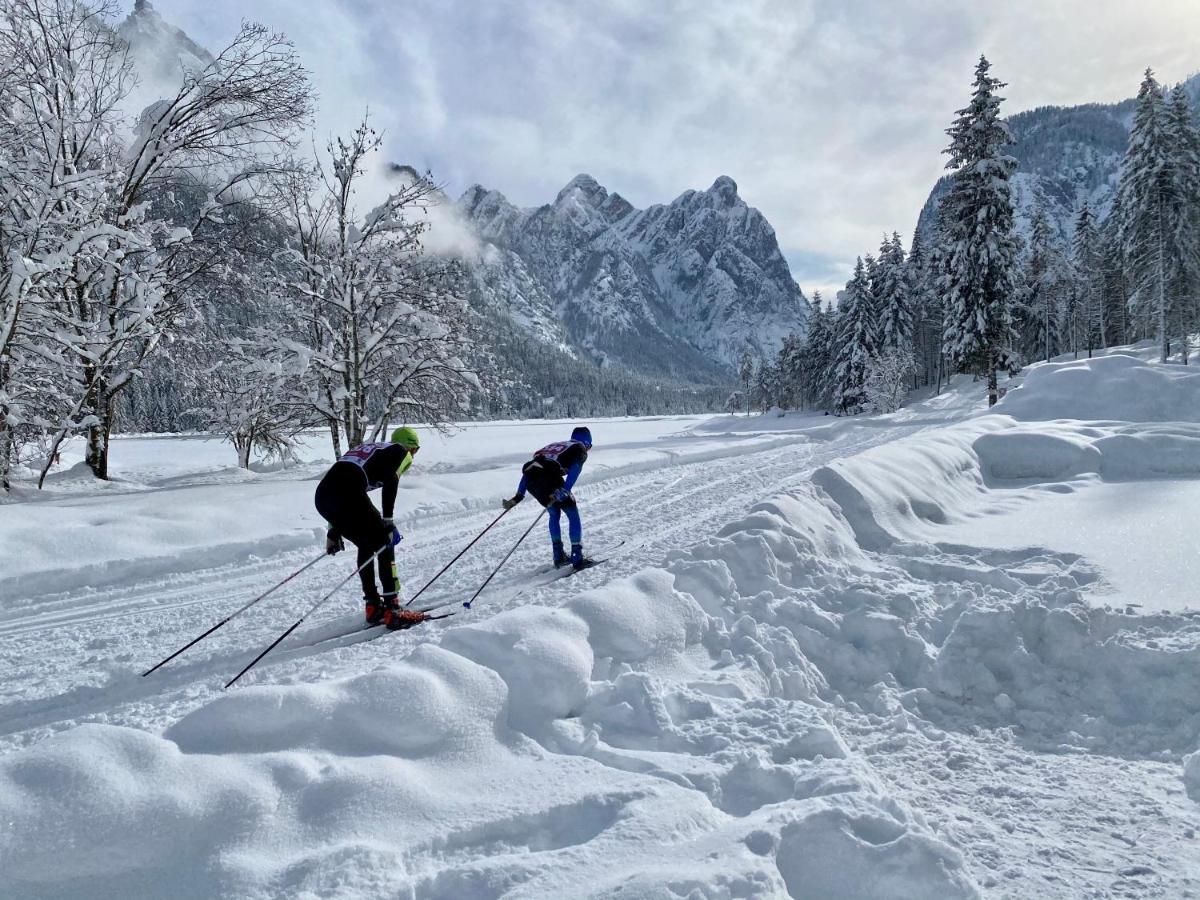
[(1117, 387), (1191, 775), (662, 736)]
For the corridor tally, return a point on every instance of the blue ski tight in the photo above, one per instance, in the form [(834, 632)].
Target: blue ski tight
[(574, 525)]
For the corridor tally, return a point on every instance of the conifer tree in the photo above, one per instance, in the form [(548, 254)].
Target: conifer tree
[(855, 343), (1042, 335), (1184, 143), (1147, 197), (1088, 279), (892, 294), (977, 221)]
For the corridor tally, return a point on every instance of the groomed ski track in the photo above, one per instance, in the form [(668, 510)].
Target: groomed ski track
[(104, 638)]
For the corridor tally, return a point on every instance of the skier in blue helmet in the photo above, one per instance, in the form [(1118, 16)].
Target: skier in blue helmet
[(549, 476)]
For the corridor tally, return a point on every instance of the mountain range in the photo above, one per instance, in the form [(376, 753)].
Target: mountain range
[(676, 290)]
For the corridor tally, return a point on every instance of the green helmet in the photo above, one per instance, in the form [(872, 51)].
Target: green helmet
[(407, 436)]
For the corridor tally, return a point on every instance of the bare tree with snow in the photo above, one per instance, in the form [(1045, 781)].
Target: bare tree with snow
[(382, 326)]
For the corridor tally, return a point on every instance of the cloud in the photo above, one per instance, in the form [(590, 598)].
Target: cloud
[(829, 116)]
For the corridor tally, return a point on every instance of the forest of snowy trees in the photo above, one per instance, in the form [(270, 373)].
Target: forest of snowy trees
[(191, 265), (981, 300)]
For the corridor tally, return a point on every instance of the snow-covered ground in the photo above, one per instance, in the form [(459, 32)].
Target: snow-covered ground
[(942, 653)]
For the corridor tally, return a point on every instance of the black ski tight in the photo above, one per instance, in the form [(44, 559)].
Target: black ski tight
[(343, 502)]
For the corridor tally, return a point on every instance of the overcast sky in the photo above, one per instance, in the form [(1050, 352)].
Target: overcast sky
[(829, 115)]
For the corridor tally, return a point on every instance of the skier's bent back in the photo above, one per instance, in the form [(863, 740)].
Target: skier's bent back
[(342, 499), (549, 477)]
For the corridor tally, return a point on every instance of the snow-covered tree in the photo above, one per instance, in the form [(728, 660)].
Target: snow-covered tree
[(1185, 169), (892, 293), (977, 222), (855, 343), (816, 361), (382, 328), (886, 380), (746, 376), (1044, 285), (926, 312), (1089, 286), (116, 264), (1148, 202)]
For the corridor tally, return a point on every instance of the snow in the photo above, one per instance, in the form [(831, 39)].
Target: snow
[(945, 652)]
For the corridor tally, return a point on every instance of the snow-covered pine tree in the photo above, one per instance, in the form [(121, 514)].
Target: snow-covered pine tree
[(892, 296), (789, 368), (1114, 297), (977, 222), (1088, 281), (871, 266), (854, 345), (815, 359), (1043, 292), (1148, 200), (746, 376), (1185, 169), (926, 312)]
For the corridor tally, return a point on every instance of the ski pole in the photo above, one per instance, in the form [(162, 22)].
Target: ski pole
[(503, 561), (446, 567), (261, 596), (310, 611)]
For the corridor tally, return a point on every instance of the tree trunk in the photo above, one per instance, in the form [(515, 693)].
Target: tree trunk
[(337, 438), (993, 388), (98, 434), (96, 455), (243, 443), (6, 448)]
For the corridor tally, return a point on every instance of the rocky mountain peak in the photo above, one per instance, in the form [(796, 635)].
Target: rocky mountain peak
[(725, 190)]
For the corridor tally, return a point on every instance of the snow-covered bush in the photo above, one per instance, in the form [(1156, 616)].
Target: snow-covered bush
[(887, 380)]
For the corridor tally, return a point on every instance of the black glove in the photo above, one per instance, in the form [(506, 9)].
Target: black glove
[(513, 501), (333, 542)]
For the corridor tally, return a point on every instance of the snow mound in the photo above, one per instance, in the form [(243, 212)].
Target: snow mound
[(664, 704), (1191, 775), (1117, 387)]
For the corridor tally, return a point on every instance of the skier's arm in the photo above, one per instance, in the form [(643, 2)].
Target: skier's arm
[(389, 495), (572, 476), (522, 486)]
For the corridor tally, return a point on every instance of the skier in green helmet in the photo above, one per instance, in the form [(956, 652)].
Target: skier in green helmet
[(342, 500)]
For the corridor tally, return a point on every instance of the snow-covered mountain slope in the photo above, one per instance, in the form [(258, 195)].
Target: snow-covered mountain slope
[(942, 653), (678, 290), (1065, 155)]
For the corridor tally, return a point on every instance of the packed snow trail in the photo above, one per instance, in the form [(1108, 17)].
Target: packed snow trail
[(672, 506)]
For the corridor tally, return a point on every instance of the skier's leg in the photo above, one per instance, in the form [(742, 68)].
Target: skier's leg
[(575, 531), (574, 524)]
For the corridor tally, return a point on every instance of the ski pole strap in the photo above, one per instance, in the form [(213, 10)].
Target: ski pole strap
[(520, 540), (262, 596), (446, 567), (275, 643)]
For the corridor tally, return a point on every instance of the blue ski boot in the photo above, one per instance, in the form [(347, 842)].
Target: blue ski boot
[(578, 560), (560, 556)]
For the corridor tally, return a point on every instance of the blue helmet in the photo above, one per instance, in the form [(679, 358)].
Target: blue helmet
[(583, 434)]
